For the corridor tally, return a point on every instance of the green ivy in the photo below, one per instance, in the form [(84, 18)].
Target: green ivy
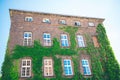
[(109, 63), (101, 68)]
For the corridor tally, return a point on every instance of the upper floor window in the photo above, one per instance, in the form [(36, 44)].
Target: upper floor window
[(80, 41), (77, 23), (26, 68), (46, 20), (86, 68), (47, 39), (29, 19), (62, 22), (27, 39), (67, 67), (48, 67), (95, 41), (64, 40), (91, 24)]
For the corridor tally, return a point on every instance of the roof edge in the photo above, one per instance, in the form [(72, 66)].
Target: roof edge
[(65, 15)]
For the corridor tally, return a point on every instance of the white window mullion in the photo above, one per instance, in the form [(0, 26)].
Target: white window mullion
[(48, 66), (64, 40), (67, 66), (80, 41), (47, 39), (27, 39), (86, 67), (25, 68)]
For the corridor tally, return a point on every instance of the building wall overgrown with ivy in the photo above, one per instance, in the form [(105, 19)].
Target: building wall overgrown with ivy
[(103, 62)]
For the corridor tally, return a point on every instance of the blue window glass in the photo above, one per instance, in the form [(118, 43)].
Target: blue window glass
[(65, 62), (67, 67), (25, 34), (47, 39), (80, 41), (86, 68), (64, 40)]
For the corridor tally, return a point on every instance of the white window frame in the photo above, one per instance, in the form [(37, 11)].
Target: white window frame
[(67, 67), (77, 23), (48, 67), (46, 20), (80, 41), (91, 24), (62, 22), (25, 66), (27, 40), (28, 19), (64, 40), (47, 40), (86, 67)]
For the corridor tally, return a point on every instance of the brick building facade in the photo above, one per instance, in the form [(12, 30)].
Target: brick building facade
[(28, 26)]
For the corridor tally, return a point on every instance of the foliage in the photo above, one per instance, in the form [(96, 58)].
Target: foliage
[(109, 63), (101, 68)]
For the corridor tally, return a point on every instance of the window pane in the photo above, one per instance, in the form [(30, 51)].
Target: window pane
[(70, 70), (84, 69), (66, 70), (68, 62), (48, 67), (65, 62), (67, 67), (66, 43), (24, 63), (25, 35), (26, 68)]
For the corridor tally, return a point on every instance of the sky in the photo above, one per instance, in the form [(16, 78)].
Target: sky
[(108, 9)]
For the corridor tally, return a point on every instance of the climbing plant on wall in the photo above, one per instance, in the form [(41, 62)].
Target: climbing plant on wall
[(109, 63), (104, 65)]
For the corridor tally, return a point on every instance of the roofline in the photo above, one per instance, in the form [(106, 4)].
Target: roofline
[(65, 15)]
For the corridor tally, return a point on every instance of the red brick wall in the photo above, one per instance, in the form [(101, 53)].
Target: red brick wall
[(37, 27)]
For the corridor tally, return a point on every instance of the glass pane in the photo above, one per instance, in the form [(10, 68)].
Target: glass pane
[(86, 62), (25, 34), (30, 35), (65, 62), (62, 37), (65, 37), (23, 71), (66, 70), (63, 43), (70, 70), (84, 70), (44, 36), (48, 36), (28, 72), (50, 63), (66, 43), (68, 62), (23, 63), (28, 63), (83, 62)]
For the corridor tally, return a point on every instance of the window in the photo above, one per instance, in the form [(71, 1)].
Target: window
[(27, 39), (77, 23), (62, 22), (26, 68), (46, 20), (64, 40), (67, 67), (91, 24), (48, 67), (86, 68), (47, 39), (28, 19), (95, 41), (80, 41)]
